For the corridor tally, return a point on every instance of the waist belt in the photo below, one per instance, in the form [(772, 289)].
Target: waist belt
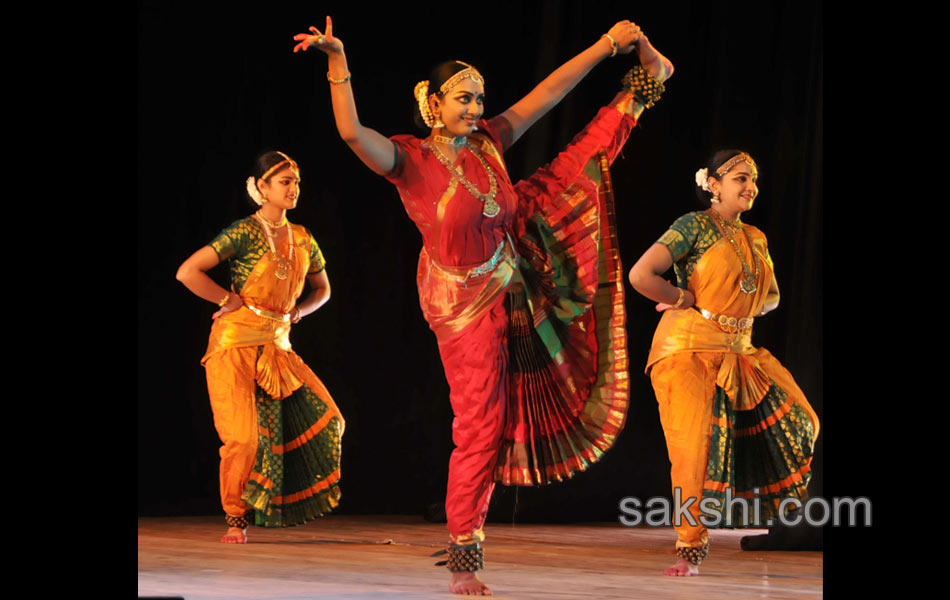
[(462, 274), (725, 321), (268, 314)]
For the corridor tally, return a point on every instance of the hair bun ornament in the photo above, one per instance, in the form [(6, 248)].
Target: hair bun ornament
[(253, 192), (421, 93), (702, 178)]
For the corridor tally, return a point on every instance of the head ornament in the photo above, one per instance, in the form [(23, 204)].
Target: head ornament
[(421, 91), (251, 182)]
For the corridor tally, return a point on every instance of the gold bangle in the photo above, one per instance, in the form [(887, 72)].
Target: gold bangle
[(224, 300), (338, 81), (613, 43), (682, 296)]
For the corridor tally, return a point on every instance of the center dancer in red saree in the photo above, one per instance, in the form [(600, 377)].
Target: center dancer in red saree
[(521, 284)]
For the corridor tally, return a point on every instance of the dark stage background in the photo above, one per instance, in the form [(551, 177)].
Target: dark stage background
[(217, 86)]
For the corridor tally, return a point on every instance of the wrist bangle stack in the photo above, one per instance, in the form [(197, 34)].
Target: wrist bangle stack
[(338, 81), (644, 87), (613, 44), (224, 300)]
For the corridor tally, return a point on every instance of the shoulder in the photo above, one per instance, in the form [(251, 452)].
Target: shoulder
[(409, 150), (245, 225), (497, 130), (684, 232), (409, 144), (755, 234), (300, 232), (407, 139), (752, 230), (697, 218)]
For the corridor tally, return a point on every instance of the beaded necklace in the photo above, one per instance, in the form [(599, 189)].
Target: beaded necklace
[(284, 265)]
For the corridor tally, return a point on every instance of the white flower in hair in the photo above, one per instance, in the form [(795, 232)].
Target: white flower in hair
[(702, 178), (253, 192)]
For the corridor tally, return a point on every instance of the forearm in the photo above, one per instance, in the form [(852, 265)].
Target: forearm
[(374, 149), (654, 286), (201, 285), (771, 302), (341, 97), (314, 300), (646, 277), (554, 87)]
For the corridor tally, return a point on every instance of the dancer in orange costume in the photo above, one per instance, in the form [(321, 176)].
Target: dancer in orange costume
[(279, 426), (733, 416)]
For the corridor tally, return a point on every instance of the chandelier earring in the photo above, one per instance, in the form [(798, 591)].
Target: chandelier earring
[(715, 197)]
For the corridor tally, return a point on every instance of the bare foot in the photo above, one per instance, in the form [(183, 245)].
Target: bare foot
[(466, 582), (682, 568), (235, 535), (655, 63)]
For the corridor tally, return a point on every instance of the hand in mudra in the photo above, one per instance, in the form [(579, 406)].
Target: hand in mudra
[(322, 41)]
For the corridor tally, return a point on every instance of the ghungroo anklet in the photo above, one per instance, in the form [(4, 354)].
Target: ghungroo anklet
[(644, 87), (463, 558), (693, 556), (239, 522)]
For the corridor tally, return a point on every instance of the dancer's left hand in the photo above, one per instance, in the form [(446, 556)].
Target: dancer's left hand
[(324, 42), (626, 34)]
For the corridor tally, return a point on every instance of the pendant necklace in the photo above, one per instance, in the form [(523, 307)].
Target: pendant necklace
[(490, 208), (747, 284), (284, 265)]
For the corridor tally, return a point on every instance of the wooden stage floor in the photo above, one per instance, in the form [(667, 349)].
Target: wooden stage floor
[(387, 557)]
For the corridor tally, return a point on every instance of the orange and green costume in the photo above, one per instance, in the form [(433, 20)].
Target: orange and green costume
[(279, 426), (733, 416)]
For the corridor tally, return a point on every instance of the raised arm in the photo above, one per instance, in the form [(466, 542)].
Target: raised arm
[(524, 113), (373, 148)]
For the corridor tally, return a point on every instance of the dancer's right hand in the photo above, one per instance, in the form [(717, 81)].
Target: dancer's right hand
[(688, 300), (234, 302), (325, 42)]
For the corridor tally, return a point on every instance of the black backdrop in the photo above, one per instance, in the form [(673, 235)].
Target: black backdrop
[(216, 86)]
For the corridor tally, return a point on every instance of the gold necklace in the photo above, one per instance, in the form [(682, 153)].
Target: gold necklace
[(747, 284), (490, 208), (278, 225), (450, 141), (284, 265)]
